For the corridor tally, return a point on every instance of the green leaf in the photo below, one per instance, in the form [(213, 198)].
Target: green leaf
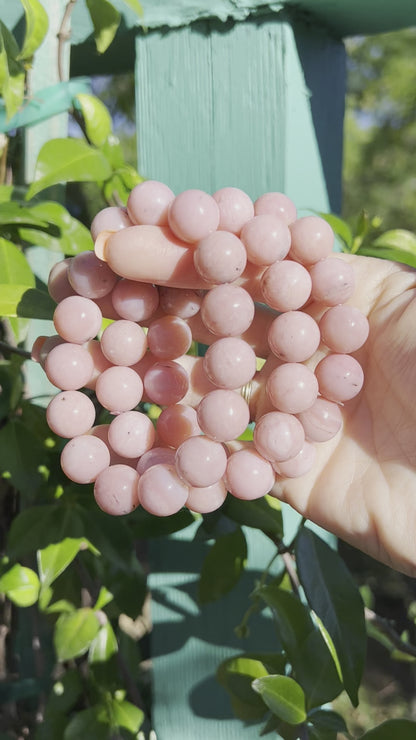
[(104, 597), (13, 213), (106, 20), (236, 676), (54, 559), (12, 74), (304, 645), (38, 526), (334, 596), (135, 6), (96, 117), (68, 160), (398, 245), (340, 228), (222, 566), (29, 303), (260, 514), (283, 696), (104, 645), (145, 525), (402, 729), (75, 632), (14, 267), (65, 692), (62, 233), (21, 585), (92, 723), (127, 715), (36, 27), (327, 723), (20, 456)]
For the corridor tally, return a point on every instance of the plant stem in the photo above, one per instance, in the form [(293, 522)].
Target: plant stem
[(64, 34), (386, 628), (4, 347)]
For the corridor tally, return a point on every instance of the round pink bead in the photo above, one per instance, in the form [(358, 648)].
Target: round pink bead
[(166, 383), (322, 421), (135, 301), (278, 436), (100, 362), (105, 304), (340, 377), (344, 328), (169, 338), (205, 500), (223, 415), (77, 319), (227, 310), (180, 302), (201, 461), (220, 257), (119, 389), (266, 239), (249, 475), (176, 423), (101, 431), (292, 387), (276, 204), (69, 366), (294, 336), (333, 281), (70, 414), (161, 491), (112, 218), (115, 490), (299, 465), (155, 456), (230, 362), (286, 285), (90, 276), (123, 342), (312, 239), (47, 346), (84, 458), (193, 215), (235, 206), (59, 286), (131, 434), (148, 203)]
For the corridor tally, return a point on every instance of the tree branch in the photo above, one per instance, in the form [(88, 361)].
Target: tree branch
[(387, 629), (8, 348)]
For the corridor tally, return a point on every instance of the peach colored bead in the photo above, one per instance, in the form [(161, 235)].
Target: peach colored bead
[(292, 387), (286, 286), (69, 366), (227, 310), (235, 207), (177, 302), (148, 203), (312, 240), (169, 337), (161, 491), (176, 423), (84, 458), (201, 461), (294, 336), (333, 281), (344, 328), (123, 342), (223, 415), (322, 421), (77, 319), (220, 257), (192, 215), (166, 383), (340, 377), (115, 490), (207, 499), (230, 362), (299, 465), (249, 476), (135, 301), (278, 436), (70, 414), (155, 456), (276, 204), (266, 239), (112, 218), (59, 286)]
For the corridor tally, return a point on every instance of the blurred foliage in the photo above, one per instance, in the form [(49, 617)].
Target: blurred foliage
[(380, 128)]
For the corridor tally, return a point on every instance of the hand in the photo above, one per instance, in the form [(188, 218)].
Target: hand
[(363, 485)]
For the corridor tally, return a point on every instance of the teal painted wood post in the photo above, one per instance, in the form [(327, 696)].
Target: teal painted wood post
[(43, 74), (259, 105)]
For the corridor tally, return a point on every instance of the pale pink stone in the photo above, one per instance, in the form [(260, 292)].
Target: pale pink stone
[(135, 301), (292, 387), (148, 203), (131, 434), (59, 286), (115, 490), (286, 286), (101, 431), (207, 499), (180, 302), (294, 336), (230, 362), (340, 377), (77, 319), (176, 423), (69, 366), (266, 239), (220, 257), (112, 218), (333, 281), (47, 346), (235, 207), (192, 215), (344, 328), (201, 461), (312, 239), (70, 414), (249, 475), (299, 465), (161, 491), (169, 337), (119, 389), (278, 436), (100, 362), (322, 421), (227, 310), (123, 342), (84, 458), (155, 456), (276, 204), (166, 383), (90, 276), (223, 415)]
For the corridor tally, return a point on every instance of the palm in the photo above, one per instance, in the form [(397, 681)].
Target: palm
[(363, 487)]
